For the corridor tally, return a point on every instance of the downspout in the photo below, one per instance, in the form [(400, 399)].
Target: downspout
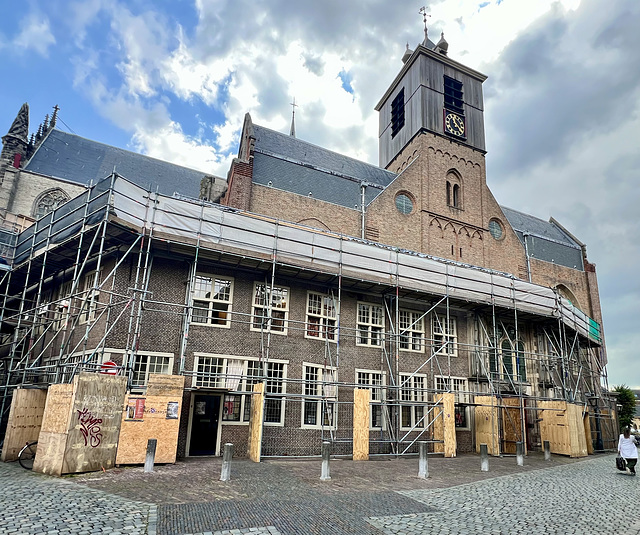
[(526, 252), (363, 187)]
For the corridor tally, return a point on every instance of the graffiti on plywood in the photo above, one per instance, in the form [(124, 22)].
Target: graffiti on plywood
[(90, 428)]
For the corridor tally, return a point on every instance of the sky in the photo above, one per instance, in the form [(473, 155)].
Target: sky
[(174, 78)]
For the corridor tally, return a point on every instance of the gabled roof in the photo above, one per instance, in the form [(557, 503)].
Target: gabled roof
[(81, 160), (544, 240), (290, 164)]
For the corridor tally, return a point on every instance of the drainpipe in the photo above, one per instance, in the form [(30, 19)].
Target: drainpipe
[(526, 252), (363, 187)]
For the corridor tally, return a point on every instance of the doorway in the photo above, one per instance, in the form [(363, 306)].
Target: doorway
[(205, 417)]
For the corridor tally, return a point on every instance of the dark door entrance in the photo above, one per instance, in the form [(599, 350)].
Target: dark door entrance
[(204, 425)]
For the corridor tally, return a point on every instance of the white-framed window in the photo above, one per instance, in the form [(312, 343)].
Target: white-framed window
[(260, 318), (460, 387), (322, 317), (411, 335), (374, 381), (89, 298), (413, 397), (320, 393), (148, 362), (370, 325), (61, 304), (70, 365), (445, 337), (212, 300), (238, 375)]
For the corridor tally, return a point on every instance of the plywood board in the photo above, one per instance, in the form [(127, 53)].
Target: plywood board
[(576, 430), (255, 423), (361, 399), (95, 422), (160, 420), (486, 423), (25, 420), (438, 426), (554, 426), (511, 424), (53, 433), (449, 417)]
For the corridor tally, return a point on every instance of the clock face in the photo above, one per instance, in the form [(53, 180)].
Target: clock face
[(454, 124)]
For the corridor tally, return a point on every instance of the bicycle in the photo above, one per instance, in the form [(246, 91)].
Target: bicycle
[(27, 455)]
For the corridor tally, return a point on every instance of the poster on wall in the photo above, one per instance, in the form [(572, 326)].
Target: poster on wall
[(172, 410), (201, 408), (135, 409)]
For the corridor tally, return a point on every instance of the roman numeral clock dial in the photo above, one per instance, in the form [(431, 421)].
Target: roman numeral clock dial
[(454, 124)]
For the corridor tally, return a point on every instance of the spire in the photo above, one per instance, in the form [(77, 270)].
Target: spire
[(292, 132), (54, 118), (442, 46), (15, 141), (407, 54)]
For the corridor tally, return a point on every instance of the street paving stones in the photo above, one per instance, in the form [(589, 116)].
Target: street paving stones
[(562, 496)]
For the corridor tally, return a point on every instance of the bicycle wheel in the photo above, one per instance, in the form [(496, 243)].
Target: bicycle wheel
[(27, 455)]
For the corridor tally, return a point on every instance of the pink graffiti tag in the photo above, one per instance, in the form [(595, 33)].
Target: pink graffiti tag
[(90, 428)]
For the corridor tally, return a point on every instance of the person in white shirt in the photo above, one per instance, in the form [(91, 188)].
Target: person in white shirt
[(627, 448)]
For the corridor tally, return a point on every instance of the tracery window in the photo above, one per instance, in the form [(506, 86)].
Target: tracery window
[(48, 201)]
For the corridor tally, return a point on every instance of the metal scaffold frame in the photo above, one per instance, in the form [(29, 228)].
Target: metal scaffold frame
[(522, 341)]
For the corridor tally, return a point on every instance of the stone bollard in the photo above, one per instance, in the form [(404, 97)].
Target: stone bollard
[(227, 455), (151, 455), (547, 450), (423, 463), (520, 453), (326, 455), (484, 458)]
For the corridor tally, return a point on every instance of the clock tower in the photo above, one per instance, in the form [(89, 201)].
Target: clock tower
[(431, 135)]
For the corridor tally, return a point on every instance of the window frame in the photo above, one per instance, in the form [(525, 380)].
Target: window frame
[(411, 328), (239, 385), (453, 94), (445, 343), (369, 325), (397, 113), (413, 400), (223, 319), (90, 297), (378, 395), (153, 354), (327, 326), (326, 375), (270, 321), (460, 387)]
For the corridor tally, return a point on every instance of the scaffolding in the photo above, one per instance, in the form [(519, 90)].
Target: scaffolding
[(82, 290)]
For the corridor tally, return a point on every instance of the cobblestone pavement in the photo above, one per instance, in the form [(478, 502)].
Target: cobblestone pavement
[(32, 503), (563, 495)]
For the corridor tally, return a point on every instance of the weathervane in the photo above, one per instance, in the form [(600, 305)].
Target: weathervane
[(292, 132), (423, 12)]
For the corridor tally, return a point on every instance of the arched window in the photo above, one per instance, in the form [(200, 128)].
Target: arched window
[(454, 189), (507, 360), (48, 201)]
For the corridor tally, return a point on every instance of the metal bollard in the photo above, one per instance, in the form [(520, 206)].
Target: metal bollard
[(227, 455), (423, 463), (151, 455), (520, 453), (326, 455), (547, 450), (484, 458)]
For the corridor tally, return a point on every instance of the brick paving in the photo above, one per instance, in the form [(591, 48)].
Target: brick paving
[(286, 497)]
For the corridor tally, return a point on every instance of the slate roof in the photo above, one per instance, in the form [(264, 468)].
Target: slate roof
[(290, 164), (81, 160), (544, 240)]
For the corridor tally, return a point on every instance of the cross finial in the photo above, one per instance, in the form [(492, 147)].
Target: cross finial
[(292, 132)]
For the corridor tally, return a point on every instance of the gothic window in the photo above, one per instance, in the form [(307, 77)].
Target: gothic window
[(397, 113), (48, 201)]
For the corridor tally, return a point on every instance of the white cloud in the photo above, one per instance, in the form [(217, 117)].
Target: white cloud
[(35, 34)]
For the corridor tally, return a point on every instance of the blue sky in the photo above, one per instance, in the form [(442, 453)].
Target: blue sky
[(173, 79)]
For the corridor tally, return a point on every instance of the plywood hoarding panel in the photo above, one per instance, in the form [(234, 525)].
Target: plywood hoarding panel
[(361, 399), (255, 423), (450, 445), (486, 423), (160, 420), (25, 420)]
